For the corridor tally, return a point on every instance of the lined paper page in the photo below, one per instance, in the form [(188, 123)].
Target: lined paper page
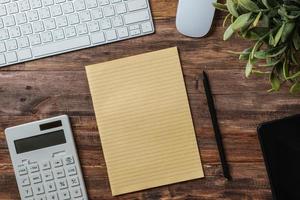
[(144, 121)]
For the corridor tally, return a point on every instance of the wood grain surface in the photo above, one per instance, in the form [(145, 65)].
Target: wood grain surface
[(58, 85)]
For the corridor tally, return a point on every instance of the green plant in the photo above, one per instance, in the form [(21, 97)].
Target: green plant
[(274, 26)]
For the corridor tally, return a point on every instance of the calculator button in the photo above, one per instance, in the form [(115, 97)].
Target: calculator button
[(65, 194), (48, 175), (62, 184), (52, 196), (45, 165), (41, 198), (57, 163), (59, 173), (74, 181), (50, 186), (69, 160), (76, 192), (28, 192), (36, 178), (38, 189), (71, 170), (22, 170), (25, 180), (33, 168)]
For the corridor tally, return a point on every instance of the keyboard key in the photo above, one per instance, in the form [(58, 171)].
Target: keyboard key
[(56, 10), (85, 16), (24, 5), (97, 37), (74, 181), (26, 29), (45, 165), (12, 8), (74, 43), (24, 180), (146, 27), (68, 8), (57, 163), (50, 24), (9, 21), (117, 21), (21, 18), (36, 178), (61, 183), (59, 173), (2, 47), (111, 35), (11, 57), (24, 54), (22, 170), (120, 8), (96, 14), (71, 170), (48, 175), (3, 11), (23, 42), (2, 59), (70, 31), (43, 197), (82, 29), (33, 16), (12, 45), (58, 35), (36, 3), (91, 4), (1, 23), (44, 13), (103, 2), (3, 34), (135, 17), (61, 21), (76, 192), (108, 11), (46, 37), (79, 5), (93, 27), (48, 2), (105, 24), (38, 189), (135, 32), (52, 196), (33, 168), (65, 194), (136, 5), (34, 39), (73, 19), (28, 191), (50, 186), (122, 32)]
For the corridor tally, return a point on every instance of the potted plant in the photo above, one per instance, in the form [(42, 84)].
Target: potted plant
[(274, 28)]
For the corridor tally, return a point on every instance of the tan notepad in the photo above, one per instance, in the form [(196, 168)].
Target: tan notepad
[(144, 121)]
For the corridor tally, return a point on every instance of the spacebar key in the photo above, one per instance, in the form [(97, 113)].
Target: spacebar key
[(61, 46)]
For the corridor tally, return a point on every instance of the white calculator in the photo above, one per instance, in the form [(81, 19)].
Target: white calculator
[(45, 160)]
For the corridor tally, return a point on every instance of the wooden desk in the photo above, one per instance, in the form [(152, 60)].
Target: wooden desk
[(58, 85)]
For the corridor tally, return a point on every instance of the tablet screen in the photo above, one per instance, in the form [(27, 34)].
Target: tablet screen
[(280, 142)]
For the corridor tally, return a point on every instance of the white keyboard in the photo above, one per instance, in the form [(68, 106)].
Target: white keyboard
[(32, 29)]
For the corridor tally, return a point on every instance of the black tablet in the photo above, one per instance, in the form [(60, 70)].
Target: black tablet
[(280, 143)]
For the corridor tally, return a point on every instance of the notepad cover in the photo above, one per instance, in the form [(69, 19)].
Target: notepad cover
[(144, 120)]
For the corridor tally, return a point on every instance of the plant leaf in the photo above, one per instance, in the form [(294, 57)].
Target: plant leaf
[(295, 88), (257, 19), (285, 69), (278, 35), (232, 8), (249, 5), (220, 6), (275, 82), (249, 68), (241, 22), (288, 29), (296, 40), (228, 33)]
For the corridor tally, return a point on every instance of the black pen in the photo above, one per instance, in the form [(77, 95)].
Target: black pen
[(214, 119)]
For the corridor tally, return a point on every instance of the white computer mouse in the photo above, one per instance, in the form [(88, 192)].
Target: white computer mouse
[(194, 17)]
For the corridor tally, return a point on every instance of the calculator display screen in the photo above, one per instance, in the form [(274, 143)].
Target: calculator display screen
[(40, 141)]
